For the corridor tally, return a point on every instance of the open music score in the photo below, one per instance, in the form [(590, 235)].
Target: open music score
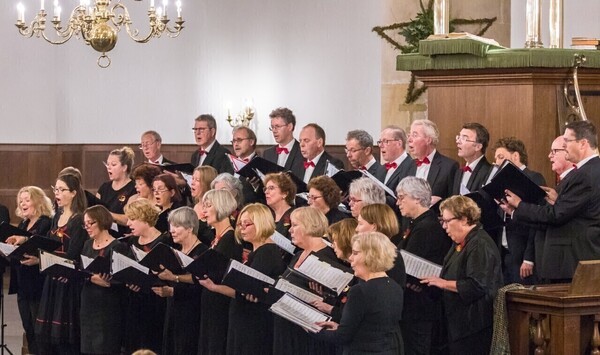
[(299, 313), (121, 262), (298, 292), (7, 249), (48, 259), (247, 270), (184, 260), (283, 242), (138, 253), (419, 267), (325, 274)]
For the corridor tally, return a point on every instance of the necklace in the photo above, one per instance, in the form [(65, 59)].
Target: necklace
[(216, 240), (191, 248)]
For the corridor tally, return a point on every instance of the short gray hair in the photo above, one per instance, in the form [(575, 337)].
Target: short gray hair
[(184, 217), (416, 188), (363, 137), (222, 200), (397, 133), (234, 185), (430, 128), (368, 191)]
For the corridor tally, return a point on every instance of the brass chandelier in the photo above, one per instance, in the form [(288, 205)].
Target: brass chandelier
[(98, 24)]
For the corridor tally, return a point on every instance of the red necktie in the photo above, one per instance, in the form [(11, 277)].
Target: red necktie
[(363, 168), (201, 151), (421, 162), (575, 166), (308, 164), (466, 168), (280, 150), (391, 165), (245, 160), (156, 162)]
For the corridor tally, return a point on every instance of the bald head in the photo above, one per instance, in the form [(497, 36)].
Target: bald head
[(557, 156)]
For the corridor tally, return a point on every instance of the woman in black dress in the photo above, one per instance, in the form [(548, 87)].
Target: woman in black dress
[(145, 311), (250, 323), (167, 197), (182, 320), (57, 323), (280, 195), (425, 238), (308, 227), (325, 195), (35, 208), (471, 276), (143, 176), (218, 206), (101, 302), (201, 179), (115, 193), (371, 318)]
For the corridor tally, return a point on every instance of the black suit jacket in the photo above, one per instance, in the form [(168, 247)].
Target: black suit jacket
[(216, 158), (294, 162), (441, 175), (377, 170), (478, 177), (400, 173), (322, 165), (572, 223), (167, 161)]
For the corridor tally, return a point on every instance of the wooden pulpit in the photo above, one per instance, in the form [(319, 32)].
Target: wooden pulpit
[(557, 319)]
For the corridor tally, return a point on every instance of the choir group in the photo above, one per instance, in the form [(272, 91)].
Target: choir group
[(305, 258)]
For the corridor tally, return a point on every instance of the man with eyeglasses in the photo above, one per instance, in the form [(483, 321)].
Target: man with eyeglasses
[(312, 147), (573, 220), (150, 145), (359, 151), (430, 164), (472, 142), (392, 145), (560, 165), (244, 143), (287, 151), (209, 151), (517, 240)]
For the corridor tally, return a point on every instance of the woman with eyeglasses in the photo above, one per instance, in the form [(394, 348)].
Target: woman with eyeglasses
[(101, 301), (425, 238), (115, 193), (325, 195), (35, 208), (250, 323), (183, 294), (218, 206), (145, 311), (280, 193), (57, 323), (201, 179), (471, 276), (167, 197), (362, 192)]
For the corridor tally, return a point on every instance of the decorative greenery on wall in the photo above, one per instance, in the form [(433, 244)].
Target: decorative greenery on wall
[(418, 29)]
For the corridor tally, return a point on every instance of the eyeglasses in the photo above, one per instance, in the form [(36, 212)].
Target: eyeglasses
[(269, 188), (400, 197), (238, 140), (352, 151), (58, 190), (446, 221), (276, 128), (244, 225), (463, 139), (89, 225), (386, 141), (354, 200), (159, 191), (313, 197), (555, 151), (146, 144)]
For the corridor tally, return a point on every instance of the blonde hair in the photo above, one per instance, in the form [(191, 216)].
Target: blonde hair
[(126, 156), (262, 218), (379, 252), (222, 200), (207, 175), (142, 210), (383, 217), (41, 202), (462, 206), (312, 220), (341, 233)]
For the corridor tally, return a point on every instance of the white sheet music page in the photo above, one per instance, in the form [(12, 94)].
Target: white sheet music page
[(49, 259), (299, 313), (138, 253), (86, 261), (306, 296), (120, 262), (184, 260), (7, 249), (283, 242), (325, 274), (250, 272), (419, 267)]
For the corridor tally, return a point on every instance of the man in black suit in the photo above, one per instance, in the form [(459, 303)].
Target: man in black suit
[(517, 239), (150, 145), (436, 168), (244, 148), (312, 147), (573, 220), (287, 151), (392, 145), (359, 151), (209, 152), (472, 142)]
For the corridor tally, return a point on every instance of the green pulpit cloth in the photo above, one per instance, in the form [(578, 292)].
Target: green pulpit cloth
[(446, 58)]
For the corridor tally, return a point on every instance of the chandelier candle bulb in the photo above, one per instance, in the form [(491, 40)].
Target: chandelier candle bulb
[(21, 12), (42, 5), (178, 3)]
